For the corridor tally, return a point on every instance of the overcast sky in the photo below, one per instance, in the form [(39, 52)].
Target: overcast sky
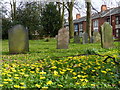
[(96, 4)]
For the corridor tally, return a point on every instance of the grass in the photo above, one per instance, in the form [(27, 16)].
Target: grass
[(40, 67)]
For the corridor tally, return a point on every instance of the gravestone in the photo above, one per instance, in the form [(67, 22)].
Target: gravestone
[(18, 40), (91, 39), (84, 37), (76, 39), (96, 37), (63, 39), (106, 36)]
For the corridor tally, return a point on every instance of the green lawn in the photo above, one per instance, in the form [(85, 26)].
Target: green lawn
[(45, 67)]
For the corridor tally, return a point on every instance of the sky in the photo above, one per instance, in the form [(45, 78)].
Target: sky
[(81, 3)]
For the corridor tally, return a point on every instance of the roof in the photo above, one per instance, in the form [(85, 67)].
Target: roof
[(108, 12)]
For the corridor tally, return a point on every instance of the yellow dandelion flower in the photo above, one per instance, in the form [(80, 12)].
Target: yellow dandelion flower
[(16, 86), (16, 77), (42, 72), (22, 87), (26, 75), (22, 83), (54, 67), (5, 82), (74, 77), (49, 82), (77, 83), (37, 85), (62, 72), (44, 87), (1, 85), (42, 77), (104, 72), (92, 84), (60, 85)]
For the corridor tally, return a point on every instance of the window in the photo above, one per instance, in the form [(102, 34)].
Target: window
[(108, 20), (117, 20), (76, 27), (117, 32), (81, 30), (95, 23)]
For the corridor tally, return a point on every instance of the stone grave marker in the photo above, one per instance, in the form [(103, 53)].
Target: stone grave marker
[(76, 39), (96, 37), (18, 40), (63, 39), (106, 36), (84, 37)]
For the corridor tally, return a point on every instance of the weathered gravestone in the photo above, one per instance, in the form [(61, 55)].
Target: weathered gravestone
[(63, 39), (84, 37), (106, 36), (96, 37), (76, 39), (18, 40)]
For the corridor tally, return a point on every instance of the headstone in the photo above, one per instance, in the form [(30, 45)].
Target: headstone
[(18, 40), (106, 36), (96, 37), (84, 37), (76, 39), (63, 39)]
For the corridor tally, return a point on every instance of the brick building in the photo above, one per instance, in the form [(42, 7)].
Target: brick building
[(106, 15)]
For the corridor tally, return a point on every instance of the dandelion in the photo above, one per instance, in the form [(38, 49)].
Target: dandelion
[(62, 72), (44, 87), (37, 85), (5, 82), (1, 85), (22, 83), (16, 86), (74, 77), (77, 83), (16, 77), (60, 85), (26, 75), (92, 84), (42, 77), (49, 82), (54, 67), (22, 87), (42, 72), (55, 73), (104, 72)]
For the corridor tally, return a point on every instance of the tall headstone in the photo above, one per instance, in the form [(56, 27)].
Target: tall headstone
[(96, 37), (106, 36), (76, 39), (63, 39), (84, 37), (18, 40)]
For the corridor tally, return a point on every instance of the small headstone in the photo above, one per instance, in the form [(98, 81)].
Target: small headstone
[(96, 37), (63, 39), (106, 36), (84, 37), (18, 40), (76, 39)]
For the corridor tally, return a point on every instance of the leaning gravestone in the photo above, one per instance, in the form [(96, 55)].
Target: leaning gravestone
[(96, 37), (76, 39), (106, 36), (18, 40), (84, 37), (63, 39)]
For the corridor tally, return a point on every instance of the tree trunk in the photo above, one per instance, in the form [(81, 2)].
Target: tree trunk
[(71, 25), (63, 15), (88, 20)]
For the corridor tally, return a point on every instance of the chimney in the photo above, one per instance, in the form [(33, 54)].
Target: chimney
[(78, 16), (103, 8)]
